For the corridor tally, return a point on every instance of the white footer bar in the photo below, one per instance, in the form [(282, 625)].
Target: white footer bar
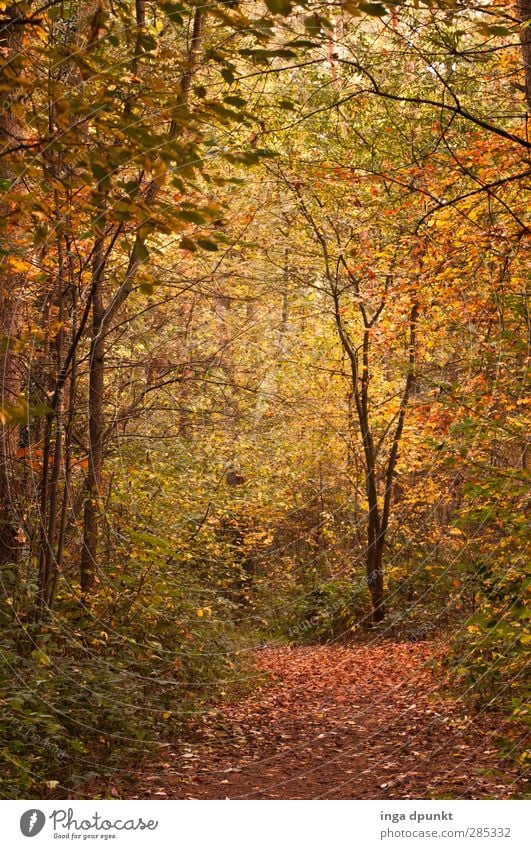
[(272, 824)]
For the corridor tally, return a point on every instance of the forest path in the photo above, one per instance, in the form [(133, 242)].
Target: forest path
[(337, 722)]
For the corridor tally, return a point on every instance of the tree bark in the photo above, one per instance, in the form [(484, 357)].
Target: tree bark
[(379, 507), (96, 424), (524, 13), (11, 382), (375, 566)]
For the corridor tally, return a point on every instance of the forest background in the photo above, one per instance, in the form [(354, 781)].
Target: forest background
[(264, 333)]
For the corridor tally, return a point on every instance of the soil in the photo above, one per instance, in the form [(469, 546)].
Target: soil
[(340, 722)]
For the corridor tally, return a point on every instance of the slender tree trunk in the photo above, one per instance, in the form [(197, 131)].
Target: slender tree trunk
[(52, 502), (375, 577), (378, 507), (524, 13), (96, 425), (52, 565), (10, 389), (66, 495), (375, 538), (11, 285)]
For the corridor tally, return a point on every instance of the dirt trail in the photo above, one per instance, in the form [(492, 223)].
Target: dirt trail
[(362, 722)]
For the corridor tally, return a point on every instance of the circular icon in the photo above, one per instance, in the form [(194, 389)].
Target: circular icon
[(32, 822)]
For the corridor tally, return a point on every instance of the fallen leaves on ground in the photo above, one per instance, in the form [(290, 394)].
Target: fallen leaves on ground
[(338, 722)]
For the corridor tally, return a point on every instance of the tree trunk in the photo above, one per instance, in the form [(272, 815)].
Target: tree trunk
[(524, 13), (375, 532), (11, 384), (95, 427), (375, 578), (11, 283)]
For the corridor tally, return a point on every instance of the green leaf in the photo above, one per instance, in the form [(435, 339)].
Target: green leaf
[(100, 172), (147, 42), (187, 244), (207, 245), (234, 100), (140, 251), (191, 215), (227, 75), (374, 9), (301, 42), (224, 112), (494, 29), (173, 11), (312, 24), (279, 7)]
